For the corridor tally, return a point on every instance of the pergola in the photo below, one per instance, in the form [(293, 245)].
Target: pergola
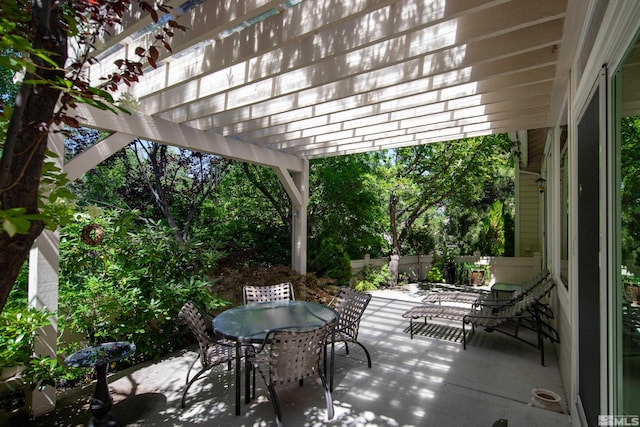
[(277, 83)]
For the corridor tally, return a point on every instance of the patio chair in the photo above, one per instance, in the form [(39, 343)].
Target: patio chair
[(281, 291), (462, 297), (485, 297), (350, 305), (212, 351), (429, 310), (526, 309), (529, 311), (288, 356)]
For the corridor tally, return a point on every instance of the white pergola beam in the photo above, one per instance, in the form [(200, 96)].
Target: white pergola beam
[(427, 135), (387, 65), (165, 132), (379, 44), (92, 157), (380, 141), (417, 105), (316, 71), (297, 77), (490, 103), (338, 97), (290, 187), (136, 26)]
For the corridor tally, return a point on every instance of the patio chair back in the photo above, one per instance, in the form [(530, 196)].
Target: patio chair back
[(530, 286), (279, 292), (200, 325), (478, 298), (529, 309), (211, 350), (492, 315), (350, 305), (290, 357)]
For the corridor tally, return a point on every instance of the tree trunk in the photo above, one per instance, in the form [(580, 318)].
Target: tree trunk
[(394, 259), (393, 204), (25, 147)]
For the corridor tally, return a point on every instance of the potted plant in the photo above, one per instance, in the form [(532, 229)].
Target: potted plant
[(473, 274)]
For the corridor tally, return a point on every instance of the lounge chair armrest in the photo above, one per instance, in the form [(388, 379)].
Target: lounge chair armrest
[(489, 316)]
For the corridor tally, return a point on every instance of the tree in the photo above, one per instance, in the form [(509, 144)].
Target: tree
[(253, 217), (345, 204), (630, 188), (158, 180), (492, 233), (34, 39), (178, 180), (437, 177), (344, 218)]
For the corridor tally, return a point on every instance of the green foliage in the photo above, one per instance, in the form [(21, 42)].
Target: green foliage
[(132, 285), (371, 278), (55, 203), (331, 260), (8, 88), (34, 50), (420, 239), (464, 272), (630, 188), (630, 278), (345, 204), (365, 286), (439, 193), (20, 328), (435, 274), (251, 223), (491, 239), (18, 52)]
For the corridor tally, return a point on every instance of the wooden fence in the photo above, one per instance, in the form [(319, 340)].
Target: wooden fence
[(516, 270)]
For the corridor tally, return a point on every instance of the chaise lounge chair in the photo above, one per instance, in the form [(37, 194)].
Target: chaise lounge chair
[(526, 308)]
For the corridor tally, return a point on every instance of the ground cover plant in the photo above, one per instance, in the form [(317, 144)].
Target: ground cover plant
[(128, 283)]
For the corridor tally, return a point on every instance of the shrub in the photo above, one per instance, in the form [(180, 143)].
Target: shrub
[(435, 275), (132, 285), (331, 260), (365, 285), (371, 278), (20, 328)]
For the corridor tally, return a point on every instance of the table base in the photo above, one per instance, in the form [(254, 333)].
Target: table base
[(102, 402), (106, 421)]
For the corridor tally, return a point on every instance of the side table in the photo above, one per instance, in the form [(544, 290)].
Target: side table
[(99, 357), (507, 288)]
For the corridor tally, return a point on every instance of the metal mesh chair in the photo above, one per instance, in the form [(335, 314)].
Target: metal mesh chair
[(288, 356), (350, 305), (211, 350), (281, 291), (485, 298), (530, 312)]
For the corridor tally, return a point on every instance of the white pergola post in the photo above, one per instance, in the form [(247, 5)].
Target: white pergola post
[(299, 222), (43, 293), (296, 185), (44, 260)]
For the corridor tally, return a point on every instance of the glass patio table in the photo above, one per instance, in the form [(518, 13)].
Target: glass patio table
[(249, 324)]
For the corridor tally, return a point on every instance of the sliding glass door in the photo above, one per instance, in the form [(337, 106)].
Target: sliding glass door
[(627, 215)]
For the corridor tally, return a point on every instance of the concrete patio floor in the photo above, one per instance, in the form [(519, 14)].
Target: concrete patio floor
[(419, 382)]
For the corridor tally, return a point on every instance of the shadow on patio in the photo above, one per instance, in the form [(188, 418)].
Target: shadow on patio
[(424, 381)]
